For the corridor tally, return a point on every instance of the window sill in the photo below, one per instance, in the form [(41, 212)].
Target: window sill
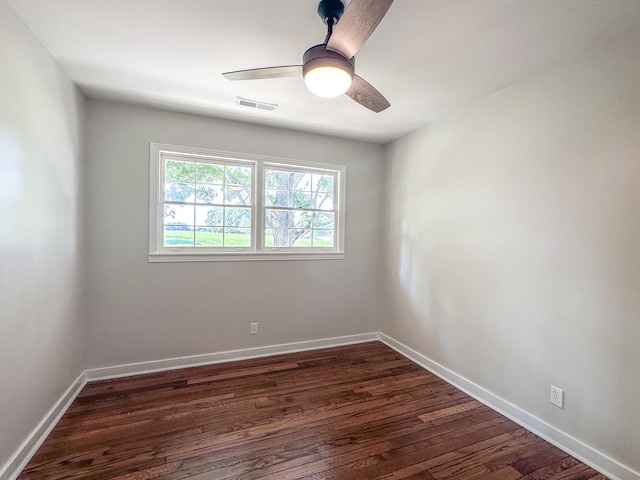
[(240, 257)]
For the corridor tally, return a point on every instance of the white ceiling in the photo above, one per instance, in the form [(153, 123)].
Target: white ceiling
[(428, 57)]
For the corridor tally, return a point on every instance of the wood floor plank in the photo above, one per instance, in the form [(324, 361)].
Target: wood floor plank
[(445, 412), (505, 473), (353, 412)]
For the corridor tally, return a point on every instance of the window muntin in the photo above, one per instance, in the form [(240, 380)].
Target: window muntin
[(206, 205)]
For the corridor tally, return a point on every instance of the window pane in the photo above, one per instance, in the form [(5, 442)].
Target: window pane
[(237, 175), (276, 218), (277, 180), (237, 237), (299, 238), (179, 171), (176, 236), (323, 201), (209, 237), (178, 192), (276, 237), (237, 217), (300, 200), (322, 183), (324, 220), (323, 238), (209, 194), (301, 182), (301, 220), (276, 198), (208, 173), (237, 195), (209, 216), (178, 215), (268, 237)]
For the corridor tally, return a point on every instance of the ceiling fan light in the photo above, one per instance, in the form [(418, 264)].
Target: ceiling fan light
[(327, 81)]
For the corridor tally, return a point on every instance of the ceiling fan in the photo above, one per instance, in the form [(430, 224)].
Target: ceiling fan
[(329, 68)]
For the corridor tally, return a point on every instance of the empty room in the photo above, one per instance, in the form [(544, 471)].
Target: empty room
[(304, 239)]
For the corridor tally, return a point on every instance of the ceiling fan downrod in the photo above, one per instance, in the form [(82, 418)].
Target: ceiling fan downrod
[(330, 11)]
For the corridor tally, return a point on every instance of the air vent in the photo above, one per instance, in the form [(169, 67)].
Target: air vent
[(245, 102)]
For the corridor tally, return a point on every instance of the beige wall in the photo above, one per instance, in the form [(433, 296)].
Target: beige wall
[(141, 311), (513, 234), (40, 243)]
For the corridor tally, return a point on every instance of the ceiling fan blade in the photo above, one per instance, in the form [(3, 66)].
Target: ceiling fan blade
[(359, 20), (262, 73), (367, 96)]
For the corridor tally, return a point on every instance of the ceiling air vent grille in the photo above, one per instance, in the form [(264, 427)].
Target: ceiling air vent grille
[(245, 102)]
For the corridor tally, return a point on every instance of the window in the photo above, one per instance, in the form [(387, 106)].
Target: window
[(207, 205), (299, 208)]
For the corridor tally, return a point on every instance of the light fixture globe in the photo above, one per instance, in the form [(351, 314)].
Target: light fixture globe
[(326, 73), (327, 82)]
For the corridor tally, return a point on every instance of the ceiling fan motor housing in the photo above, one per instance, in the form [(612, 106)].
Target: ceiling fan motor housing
[(319, 56)]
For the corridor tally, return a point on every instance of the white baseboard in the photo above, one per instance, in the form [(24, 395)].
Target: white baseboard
[(574, 447), (140, 368), (23, 454), (586, 454), (27, 450)]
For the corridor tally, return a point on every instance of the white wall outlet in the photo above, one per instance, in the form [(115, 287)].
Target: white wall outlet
[(254, 328), (557, 396)]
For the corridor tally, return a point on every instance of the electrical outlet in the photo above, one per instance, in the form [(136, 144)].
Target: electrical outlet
[(557, 396), (254, 328)]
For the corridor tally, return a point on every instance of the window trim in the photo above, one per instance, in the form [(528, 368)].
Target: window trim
[(159, 253)]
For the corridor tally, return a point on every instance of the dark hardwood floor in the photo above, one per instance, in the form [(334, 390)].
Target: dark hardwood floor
[(354, 412)]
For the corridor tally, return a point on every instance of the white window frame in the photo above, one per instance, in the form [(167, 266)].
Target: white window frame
[(159, 253)]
